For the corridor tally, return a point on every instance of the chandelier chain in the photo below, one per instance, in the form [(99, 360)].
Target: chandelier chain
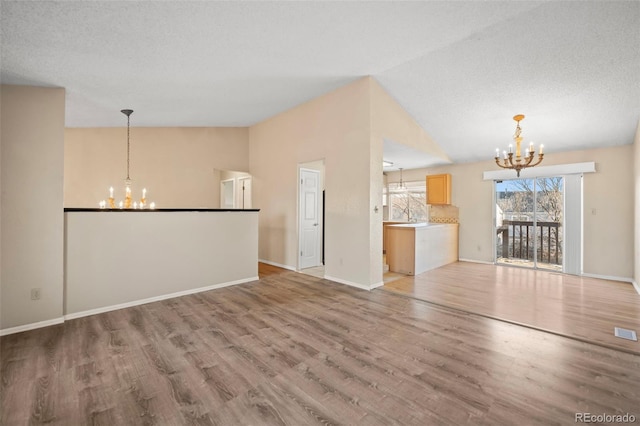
[(128, 147)]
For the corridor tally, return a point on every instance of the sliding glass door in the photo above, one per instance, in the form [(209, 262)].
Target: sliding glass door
[(529, 219), (549, 220)]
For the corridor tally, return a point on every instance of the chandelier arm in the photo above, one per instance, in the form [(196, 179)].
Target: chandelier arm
[(509, 160), (540, 157), (528, 159), (500, 165)]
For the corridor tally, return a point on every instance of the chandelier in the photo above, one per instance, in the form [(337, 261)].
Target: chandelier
[(128, 202), (401, 186), (520, 161)]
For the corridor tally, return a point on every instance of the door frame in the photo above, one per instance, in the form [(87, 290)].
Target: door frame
[(565, 241), (222, 194)]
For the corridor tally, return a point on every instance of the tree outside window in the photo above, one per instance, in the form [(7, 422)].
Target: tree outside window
[(408, 203)]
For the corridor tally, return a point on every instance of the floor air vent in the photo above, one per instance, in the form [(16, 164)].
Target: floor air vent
[(625, 334)]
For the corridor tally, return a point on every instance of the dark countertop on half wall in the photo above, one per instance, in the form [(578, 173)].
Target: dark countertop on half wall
[(79, 209)]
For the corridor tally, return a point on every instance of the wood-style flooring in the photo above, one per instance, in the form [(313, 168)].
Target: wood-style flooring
[(573, 306), (295, 349)]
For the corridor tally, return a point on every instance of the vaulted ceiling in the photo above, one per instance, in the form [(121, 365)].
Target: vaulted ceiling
[(461, 69)]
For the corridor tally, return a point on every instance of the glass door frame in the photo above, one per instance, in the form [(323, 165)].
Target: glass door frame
[(537, 234)]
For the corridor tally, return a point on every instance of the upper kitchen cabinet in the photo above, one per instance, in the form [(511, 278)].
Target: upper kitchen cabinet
[(439, 189)]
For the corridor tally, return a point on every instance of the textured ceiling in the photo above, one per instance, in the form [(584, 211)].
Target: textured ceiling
[(461, 69)]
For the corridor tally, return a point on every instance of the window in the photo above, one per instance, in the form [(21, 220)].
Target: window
[(407, 203)]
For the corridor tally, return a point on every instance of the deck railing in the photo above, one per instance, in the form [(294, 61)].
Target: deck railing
[(517, 240)]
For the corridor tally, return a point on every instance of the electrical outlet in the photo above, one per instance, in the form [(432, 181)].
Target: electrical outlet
[(36, 293)]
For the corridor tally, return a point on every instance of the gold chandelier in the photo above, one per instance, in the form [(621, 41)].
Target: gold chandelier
[(520, 161), (128, 202)]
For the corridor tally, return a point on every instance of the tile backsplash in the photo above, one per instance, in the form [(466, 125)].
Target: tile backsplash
[(443, 214)]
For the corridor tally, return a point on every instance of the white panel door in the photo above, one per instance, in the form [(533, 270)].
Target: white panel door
[(309, 218)]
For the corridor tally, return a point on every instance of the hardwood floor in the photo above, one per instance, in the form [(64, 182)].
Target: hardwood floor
[(295, 349), (577, 307)]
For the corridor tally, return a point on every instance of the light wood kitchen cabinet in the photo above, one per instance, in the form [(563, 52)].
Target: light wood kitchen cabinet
[(439, 189)]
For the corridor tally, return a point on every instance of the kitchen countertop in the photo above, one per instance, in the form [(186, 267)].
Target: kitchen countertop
[(420, 225)]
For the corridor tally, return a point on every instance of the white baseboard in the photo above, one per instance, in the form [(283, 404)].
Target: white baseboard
[(156, 299), (103, 309), (352, 284), (608, 277), (376, 285), (476, 261), (584, 274), (613, 278), (279, 265), (31, 326)]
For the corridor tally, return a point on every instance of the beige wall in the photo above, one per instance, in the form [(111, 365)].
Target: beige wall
[(118, 259), (32, 221), (636, 169), (608, 212), (390, 121), (333, 128), (175, 165), (345, 128), (231, 174), (608, 235)]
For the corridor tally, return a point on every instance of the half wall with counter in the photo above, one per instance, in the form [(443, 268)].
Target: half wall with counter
[(414, 248), (120, 258)]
